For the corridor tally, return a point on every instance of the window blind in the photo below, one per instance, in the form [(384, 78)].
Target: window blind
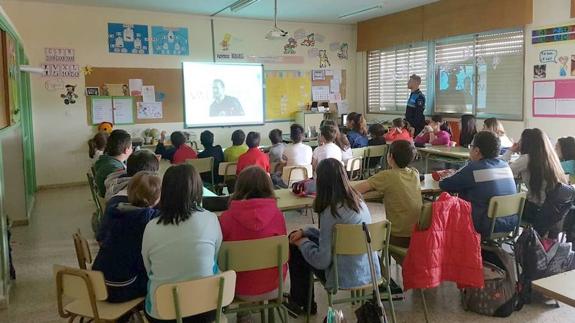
[(388, 73)]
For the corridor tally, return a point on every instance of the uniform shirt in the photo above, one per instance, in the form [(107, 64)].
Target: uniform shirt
[(231, 154), (298, 154), (414, 110), (253, 156), (479, 181), (229, 106), (401, 190)]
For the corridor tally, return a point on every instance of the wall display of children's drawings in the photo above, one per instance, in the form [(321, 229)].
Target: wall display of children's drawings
[(289, 48), (331, 88), (323, 59), (150, 110), (117, 110), (127, 38), (540, 71), (286, 93), (170, 41)]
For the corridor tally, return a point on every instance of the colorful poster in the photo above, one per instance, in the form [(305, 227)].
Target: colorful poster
[(170, 41), (127, 39), (286, 93), (150, 110)]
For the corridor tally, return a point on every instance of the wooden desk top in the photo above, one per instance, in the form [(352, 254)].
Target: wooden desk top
[(454, 152), (560, 287)]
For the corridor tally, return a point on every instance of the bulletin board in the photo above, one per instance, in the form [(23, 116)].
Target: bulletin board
[(554, 98), (328, 80), (166, 81), (286, 93)]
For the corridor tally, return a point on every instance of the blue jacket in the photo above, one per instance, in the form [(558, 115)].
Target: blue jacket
[(356, 140), (479, 181), (120, 236), (353, 271)]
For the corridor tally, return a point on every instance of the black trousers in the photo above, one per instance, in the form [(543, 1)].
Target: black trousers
[(300, 272), (206, 317)]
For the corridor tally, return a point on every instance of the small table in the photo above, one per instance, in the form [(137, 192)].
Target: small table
[(444, 154), (560, 287)]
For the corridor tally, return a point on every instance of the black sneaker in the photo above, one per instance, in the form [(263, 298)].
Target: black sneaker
[(294, 310), (396, 291)]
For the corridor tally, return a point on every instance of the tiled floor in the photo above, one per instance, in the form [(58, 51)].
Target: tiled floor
[(60, 212)]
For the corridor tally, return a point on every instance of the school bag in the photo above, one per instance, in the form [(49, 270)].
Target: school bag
[(537, 262), (498, 297), (306, 187)]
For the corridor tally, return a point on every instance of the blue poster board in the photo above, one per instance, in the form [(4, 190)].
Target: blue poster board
[(170, 41), (127, 39)]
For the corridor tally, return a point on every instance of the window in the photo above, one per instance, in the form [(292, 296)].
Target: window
[(388, 73), (480, 74)]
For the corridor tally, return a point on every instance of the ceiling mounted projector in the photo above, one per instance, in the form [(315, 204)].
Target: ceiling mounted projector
[(276, 32)]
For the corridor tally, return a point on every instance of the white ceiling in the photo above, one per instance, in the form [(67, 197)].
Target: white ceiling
[(326, 11)]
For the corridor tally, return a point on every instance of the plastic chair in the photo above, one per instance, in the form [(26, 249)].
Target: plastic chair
[(502, 206), (248, 255), (99, 201), (204, 165), (83, 253), (88, 292), (175, 301), (348, 240), (399, 253), (354, 168), (228, 171), (292, 174)]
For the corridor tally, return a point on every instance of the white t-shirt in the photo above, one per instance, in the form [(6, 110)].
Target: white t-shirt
[(505, 141), (298, 154), (325, 151), (346, 154)]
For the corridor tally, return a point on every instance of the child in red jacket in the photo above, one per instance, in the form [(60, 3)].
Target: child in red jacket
[(253, 214), (398, 132)]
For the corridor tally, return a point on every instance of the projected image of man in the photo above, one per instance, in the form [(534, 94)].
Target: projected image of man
[(224, 105)]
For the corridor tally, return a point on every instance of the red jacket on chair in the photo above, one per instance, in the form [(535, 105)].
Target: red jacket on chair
[(449, 250)]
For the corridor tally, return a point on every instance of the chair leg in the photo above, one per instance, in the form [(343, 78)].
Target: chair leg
[(424, 305), (391, 306), (263, 315), (271, 316), (309, 296)]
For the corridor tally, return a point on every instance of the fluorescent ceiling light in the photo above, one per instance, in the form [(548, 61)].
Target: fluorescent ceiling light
[(240, 4), (359, 12)]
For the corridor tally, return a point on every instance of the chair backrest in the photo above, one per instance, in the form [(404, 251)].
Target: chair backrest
[(79, 284), (425, 217), (358, 152), (202, 165), (95, 196), (353, 164), (176, 300), (506, 205), (83, 253), (247, 255), (292, 174), (349, 239), (227, 169), (377, 151)]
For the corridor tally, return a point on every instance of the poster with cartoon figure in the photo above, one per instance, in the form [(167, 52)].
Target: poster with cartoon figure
[(289, 48), (342, 51), (127, 39), (170, 41), (225, 43), (323, 59), (309, 41)]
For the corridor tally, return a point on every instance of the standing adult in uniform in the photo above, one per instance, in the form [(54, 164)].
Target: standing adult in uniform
[(415, 104)]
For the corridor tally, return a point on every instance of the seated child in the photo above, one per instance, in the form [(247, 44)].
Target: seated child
[(231, 154), (401, 190), (565, 148), (297, 153), (253, 214), (357, 130), (207, 140), (117, 182), (97, 145), (398, 132), (277, 149), (436, 133), (119, 257), (484, 177), (254, 156), (328, 149), (180, 152), (118, 149), (377, 132)]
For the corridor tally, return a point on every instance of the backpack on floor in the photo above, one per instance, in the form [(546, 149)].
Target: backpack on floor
[(498, 297)]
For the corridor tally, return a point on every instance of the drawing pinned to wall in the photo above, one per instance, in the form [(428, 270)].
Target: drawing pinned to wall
[(289, 48), (87, 70), (225, 43), (563, 60), (323, 59), (540, 71), (313, 53), (318, 75), (548, 56), (170, 40), (150, 110), (127, 39), (309, 40), (70, 96), (342, 52)]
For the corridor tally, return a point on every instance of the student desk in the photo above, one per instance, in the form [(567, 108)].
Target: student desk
[(560, 287), (444, 154), (287, 201), (165, 164)]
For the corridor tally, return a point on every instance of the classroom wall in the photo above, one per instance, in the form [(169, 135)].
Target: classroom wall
[(545, 13), (61, 131)]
